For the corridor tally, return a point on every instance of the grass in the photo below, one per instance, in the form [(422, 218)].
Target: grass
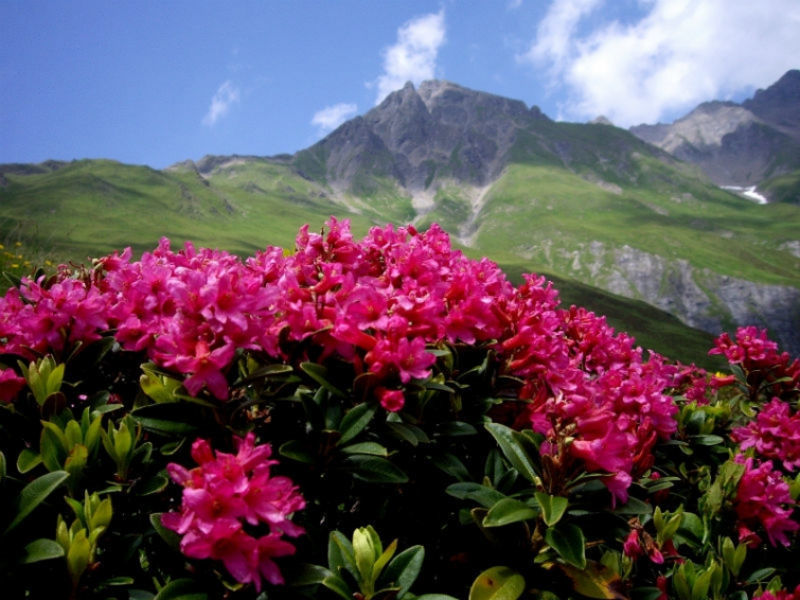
[(709, 229), (90, 208)]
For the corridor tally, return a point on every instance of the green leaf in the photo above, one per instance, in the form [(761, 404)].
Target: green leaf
[(28, 460), (340, 554), (337, 584), (354, 421), (647, 592), (36, 492), (3, 465), (634, 506), (409, 433), (449, 463), (42, 549), (404, 569), (497, 583), (760, 575), (309, 575), (159, 388), (384, 558), (76, 461), (702, 583), (320, 374), (707, 439), (456, 429), (692, 530), (78, 555), (469, 490), (297, 450), (596, 581), (375, 469), (268, 371), (52, 435), (508, 510), (172, 418), (371, 448), (435, 597), (553, 507), (115, 581), (568, 541), (157, 483), (513, 451), (181, 589), (433, 385)]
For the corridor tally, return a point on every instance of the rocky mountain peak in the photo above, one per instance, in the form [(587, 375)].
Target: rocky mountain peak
[(779, 104), (440, 130)]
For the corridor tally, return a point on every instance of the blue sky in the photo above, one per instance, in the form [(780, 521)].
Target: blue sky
[(155, 83)]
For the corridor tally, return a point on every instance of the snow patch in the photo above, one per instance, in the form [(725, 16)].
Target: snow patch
[(748, 192)]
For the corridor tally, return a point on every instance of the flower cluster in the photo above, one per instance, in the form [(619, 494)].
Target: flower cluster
[(779, 595), (762, 497), (774, 434), (38, 318), (765, 368), (600, 406), (226, 496), (379, 304)]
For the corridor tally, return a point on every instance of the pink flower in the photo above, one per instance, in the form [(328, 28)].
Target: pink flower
[(10, 385), (408, 358), (631, 547), (775, 434), (391, 400), (762, 498)]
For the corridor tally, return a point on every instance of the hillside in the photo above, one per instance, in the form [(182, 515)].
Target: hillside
[(591, 203)]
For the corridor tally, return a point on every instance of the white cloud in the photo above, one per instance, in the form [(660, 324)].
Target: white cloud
[(555, 34), (680, 53), (330, 117), (413, 56), (227, 94)]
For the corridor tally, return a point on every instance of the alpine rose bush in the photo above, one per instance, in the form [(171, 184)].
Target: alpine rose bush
[(195, 424)]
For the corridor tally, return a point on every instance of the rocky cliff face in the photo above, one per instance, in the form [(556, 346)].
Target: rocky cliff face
[(705, 299)]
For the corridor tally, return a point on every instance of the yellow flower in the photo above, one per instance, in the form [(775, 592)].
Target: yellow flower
[(18, 244)]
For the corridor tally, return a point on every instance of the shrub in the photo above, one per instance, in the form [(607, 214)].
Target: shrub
[(191, 424)]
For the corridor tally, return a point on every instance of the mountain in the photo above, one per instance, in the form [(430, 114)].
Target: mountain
[(755, 144), (590, 203)]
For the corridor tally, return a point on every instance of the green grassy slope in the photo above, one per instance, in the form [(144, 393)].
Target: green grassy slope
[(532, 208), (89, 208)]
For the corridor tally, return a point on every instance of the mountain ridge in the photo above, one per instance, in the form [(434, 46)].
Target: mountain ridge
[(754, 144)]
